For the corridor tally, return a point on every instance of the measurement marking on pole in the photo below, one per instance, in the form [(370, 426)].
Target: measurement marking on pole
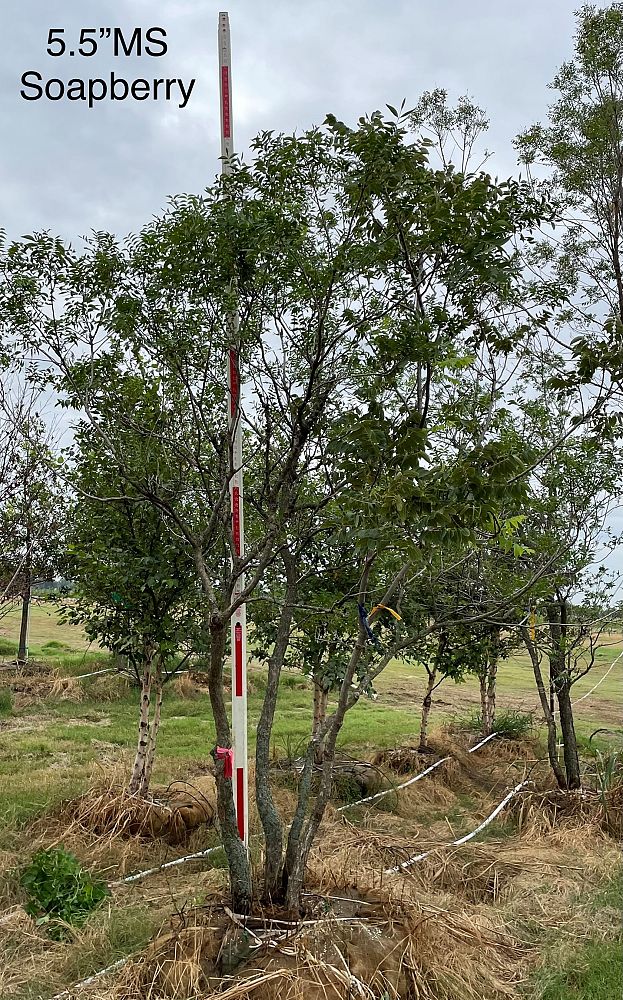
[(235, 505), (226, 108), (240, 797), (234, 383), (238, 659), (236, 484)]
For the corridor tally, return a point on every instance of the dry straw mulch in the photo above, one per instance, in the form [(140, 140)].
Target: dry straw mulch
[(170, 813)]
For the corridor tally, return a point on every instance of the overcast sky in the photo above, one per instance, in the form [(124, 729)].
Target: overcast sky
[(69, 169)]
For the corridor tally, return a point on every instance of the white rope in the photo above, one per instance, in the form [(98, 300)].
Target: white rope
[(614, 662), (411, 781), (168, 864), (112, 670), (106, 670), (461, 840)]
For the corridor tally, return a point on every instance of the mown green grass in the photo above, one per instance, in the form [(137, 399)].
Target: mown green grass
[(44, 628), (594, 972), (590, 969)]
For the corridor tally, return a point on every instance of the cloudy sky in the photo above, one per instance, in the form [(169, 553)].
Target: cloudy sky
[(70, 169)]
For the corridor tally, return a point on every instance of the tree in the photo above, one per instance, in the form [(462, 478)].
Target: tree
[(32, 514), (577, 486), (135, 591), (364, 279), (582, 147)]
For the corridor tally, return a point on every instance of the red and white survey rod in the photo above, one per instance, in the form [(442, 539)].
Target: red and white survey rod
[(239, 618)]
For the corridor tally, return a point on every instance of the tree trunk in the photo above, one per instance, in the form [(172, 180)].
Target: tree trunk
[(153, 736), (140, 760), (302, 833), (557, 621), (552, 739), (569, 740), (482, 681), (426, 706), (321, 698), (488, 718), (269, 815), (22, 652), (240, 880)]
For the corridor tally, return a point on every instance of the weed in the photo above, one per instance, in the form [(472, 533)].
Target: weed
[(509, 724), (60, 890), (608, 771)]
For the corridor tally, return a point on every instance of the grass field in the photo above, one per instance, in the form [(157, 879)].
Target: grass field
[(53, 748)]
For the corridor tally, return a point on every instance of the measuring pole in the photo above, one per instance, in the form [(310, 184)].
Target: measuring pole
[(239, 619)]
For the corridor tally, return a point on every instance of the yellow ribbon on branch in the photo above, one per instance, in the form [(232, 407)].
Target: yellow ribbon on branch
[(377, 607)]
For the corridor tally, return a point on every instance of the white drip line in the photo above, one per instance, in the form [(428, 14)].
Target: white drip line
[(411, 781), (92, 979), (168, 864), (96, 673), (460, 840)]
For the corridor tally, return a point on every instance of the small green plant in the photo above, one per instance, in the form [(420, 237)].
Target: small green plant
[(608, 771), (6, 701), (509, 724), (55, 647), (60, 890)]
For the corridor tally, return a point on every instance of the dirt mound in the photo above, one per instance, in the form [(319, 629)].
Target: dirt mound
[(170, 813)]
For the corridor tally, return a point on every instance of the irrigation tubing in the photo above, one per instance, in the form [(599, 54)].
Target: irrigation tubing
[(461, 840), (95, 673), (411, 781), (168, 864), (422, 774), (92, 979), (374, 798)]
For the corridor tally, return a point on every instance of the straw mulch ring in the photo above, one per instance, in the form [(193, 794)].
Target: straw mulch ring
[(394, 946), (404, 760), (171, 813), (554, 812)]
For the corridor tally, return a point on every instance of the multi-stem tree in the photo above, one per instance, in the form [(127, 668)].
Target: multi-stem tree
[(364, 279)]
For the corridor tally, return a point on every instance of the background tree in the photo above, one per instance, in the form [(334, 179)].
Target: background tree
[(33, 511), (135, 591), (581, 148)]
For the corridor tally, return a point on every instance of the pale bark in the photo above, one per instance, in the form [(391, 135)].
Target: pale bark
[(140, 759), (488, 679), (153, 736)]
